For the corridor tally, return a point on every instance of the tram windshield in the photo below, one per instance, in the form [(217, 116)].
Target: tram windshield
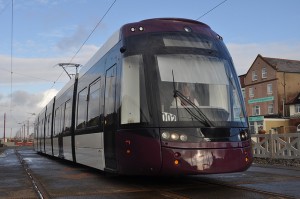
[(179, 79), (198, 88)]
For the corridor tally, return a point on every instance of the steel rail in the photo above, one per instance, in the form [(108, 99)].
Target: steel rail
[(38, 187)]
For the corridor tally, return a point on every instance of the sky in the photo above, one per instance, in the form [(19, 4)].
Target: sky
[(36, 35)]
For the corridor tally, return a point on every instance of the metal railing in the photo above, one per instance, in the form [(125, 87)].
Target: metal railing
[(284, 146)]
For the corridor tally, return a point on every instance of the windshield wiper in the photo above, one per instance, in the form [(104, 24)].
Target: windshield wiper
[(201, 117)]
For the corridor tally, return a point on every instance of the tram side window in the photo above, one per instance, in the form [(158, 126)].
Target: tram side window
[(41, 128), (68, 113), (48, 125), (81, 109), (35, 131), (94, 104), (57, 121)]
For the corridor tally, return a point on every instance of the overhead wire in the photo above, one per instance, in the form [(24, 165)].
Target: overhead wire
[(107, 11), (11, 53), (210, 10), (11, 62), (11, 57), (30, 76), (93, 30)]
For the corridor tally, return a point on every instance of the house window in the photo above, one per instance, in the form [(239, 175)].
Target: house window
[(243, 92), (264, 72), (251, 93), (270, 109), (255, 110), (254, 76), (297, 108), (269, 88)]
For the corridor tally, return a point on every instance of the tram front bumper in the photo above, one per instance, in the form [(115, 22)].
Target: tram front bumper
[(178, 161)]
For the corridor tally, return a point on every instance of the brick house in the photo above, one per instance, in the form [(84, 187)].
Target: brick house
[(268, 87), (294, 105)]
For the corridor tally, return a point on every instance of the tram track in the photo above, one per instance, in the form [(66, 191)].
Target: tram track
[(173, 187), (232, 186), (173, 194), (40, 190)]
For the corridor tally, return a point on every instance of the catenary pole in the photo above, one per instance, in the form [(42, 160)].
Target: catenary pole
[(4, 126)]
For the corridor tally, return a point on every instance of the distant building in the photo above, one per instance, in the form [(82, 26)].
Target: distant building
[(269, 87), (294, 105)]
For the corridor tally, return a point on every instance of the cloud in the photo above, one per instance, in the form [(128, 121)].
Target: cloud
[(24, 107), (46, 97), (243, 55), (18, 108), (85, 54), (28, 70), (25, 99), (73, 41), (39, 70), (32, 79)]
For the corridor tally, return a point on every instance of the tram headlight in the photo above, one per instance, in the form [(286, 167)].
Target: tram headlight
[(244, 135), (174, 136), (165, 135), (183, 138)]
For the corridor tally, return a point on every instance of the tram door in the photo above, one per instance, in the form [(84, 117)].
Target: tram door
[(110, 118)]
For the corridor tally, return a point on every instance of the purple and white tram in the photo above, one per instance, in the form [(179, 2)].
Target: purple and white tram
[(119, 115)]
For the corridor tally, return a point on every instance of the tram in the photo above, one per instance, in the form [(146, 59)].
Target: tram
[(160, 97)]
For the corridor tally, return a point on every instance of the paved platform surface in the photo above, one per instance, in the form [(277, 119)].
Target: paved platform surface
[(14, 181), (26, 174)]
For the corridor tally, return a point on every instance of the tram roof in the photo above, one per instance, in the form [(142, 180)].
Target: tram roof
[(147, 25), (111, 42)]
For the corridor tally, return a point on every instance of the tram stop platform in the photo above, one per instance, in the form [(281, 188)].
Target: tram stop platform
[(15, 182)]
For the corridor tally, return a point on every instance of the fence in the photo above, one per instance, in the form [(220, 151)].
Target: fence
[(284, 146)]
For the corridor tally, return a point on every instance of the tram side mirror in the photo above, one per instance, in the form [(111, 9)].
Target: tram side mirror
[(123, 49)]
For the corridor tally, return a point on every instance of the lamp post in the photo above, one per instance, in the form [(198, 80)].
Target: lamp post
[(23, 135), (28, 134)]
